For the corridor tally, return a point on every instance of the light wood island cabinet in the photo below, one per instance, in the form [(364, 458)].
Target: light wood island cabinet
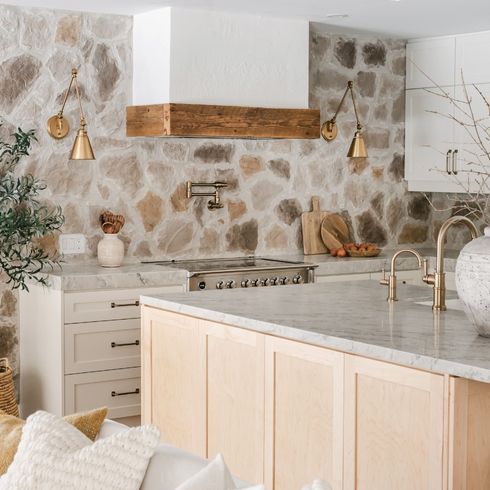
[(304, 414), (286, 413), (394, 426)]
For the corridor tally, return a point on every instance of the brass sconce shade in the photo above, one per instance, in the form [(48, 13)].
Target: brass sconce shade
[(58, 126), (329, 128), (357, 147), (82, 149)]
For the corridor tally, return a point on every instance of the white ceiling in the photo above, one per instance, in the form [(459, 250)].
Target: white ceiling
[(396, 18)]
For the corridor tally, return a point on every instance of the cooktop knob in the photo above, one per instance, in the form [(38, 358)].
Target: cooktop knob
[(230, 284), (284, 280), (220, 284), (297, 279), (245, 283), (256, 283), (264, 282), (274, 281)]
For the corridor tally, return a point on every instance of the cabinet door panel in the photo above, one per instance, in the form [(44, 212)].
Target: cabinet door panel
[(394, 427), (433, 58), (303, 415), (429, 135), (471, 157), (472, 53), (469, 437), (173, 379), (235, 398)]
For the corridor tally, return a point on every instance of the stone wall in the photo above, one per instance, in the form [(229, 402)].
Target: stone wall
[(270, 182)]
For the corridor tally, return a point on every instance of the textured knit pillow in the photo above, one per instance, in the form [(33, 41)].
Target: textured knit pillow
[(53, 454), (215, 476), (11, 431), (318, 485)]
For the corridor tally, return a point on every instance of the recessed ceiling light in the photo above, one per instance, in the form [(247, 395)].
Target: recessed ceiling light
[(337, 16)]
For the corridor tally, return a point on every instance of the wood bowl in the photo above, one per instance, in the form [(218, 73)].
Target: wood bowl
[(357, 253)]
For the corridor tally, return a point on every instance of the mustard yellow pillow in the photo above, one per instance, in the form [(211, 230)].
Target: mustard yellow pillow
[(11, 431)]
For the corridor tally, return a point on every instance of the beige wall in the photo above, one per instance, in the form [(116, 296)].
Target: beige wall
[(271, 182)]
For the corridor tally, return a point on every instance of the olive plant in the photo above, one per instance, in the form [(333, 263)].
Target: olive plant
[(24, 219)]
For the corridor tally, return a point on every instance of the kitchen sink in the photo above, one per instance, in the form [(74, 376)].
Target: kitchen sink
[(451, 304)]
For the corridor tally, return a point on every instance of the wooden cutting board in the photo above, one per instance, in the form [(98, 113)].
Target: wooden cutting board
[(334, 231), (311, 223)]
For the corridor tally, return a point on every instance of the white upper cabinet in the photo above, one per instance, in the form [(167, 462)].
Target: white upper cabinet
[(442, 153), (430, 62), (472, 58), (429, 135)]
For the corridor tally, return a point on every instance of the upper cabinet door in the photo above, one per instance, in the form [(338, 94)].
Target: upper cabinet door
[(431, 62), (472, 55), (470, 137), (429, 141)]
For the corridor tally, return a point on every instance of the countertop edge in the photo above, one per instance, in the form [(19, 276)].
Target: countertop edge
[(372, 351)]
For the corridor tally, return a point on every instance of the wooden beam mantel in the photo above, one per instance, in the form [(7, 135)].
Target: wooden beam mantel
[(217, 121)]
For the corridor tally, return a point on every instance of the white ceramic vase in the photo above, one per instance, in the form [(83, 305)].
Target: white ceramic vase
[(110, 251), (473, 282)]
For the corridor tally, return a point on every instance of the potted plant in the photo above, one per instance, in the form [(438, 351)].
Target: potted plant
[(25, 220), (25, 223)]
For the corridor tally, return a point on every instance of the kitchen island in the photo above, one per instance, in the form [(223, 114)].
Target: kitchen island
[(324, 380)]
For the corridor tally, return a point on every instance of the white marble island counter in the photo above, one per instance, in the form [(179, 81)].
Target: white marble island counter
[(352, 317)]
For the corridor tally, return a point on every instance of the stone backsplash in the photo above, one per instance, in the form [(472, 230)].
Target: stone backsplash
[(270, 182)]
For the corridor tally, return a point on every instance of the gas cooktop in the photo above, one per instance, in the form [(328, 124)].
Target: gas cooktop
[(244, 272), (227, 264)]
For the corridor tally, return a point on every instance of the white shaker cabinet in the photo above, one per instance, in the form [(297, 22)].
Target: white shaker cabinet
[(81, 350), (470, 155), (438, 148), (472, 55), (429, 139), (430, 62)]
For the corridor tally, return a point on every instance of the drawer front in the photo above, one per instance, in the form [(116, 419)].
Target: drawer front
[(117, 304), (98, 346), (118, 390)]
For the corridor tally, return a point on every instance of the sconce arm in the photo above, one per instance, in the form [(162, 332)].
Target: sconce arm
[(349, 87), (67, 93)]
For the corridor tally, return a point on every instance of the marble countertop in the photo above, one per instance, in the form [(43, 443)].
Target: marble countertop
[(352, 317), (90, 276), (349, 265), (85, 277)]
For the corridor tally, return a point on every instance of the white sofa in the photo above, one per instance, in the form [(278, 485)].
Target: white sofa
[(169, 466)]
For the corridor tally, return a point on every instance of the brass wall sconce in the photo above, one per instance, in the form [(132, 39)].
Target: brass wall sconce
[(213, 204), (58, 126), (329, 128)]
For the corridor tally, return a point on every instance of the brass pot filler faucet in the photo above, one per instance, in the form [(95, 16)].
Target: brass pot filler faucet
[(213, 204), (437, 279)]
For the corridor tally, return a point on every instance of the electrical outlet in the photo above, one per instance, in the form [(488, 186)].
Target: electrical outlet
[(72, 243)]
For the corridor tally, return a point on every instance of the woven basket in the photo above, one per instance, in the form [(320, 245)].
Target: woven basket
[(8, 402)]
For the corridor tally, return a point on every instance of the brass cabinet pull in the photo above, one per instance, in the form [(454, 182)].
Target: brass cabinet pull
[(120, 305), (135, 392), (455, 163), (448, 156), (114, 344)]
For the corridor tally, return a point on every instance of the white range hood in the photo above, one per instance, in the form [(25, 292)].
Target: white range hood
[(212, 74), (205, 57)]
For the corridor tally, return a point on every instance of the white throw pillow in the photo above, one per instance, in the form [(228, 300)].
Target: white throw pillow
[(53, 454), (318, 485), (215, 476)]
